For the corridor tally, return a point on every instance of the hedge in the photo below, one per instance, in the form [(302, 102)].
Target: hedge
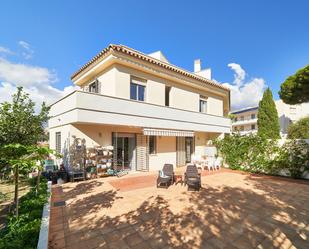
[(257, 154)]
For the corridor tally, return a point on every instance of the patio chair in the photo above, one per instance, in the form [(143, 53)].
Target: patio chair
[(192, 177), (218, 163), (210, 163), (166, 175)]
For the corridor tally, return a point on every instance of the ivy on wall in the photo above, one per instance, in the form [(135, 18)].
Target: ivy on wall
[(257, 154)]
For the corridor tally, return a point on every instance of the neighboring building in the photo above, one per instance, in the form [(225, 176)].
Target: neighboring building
[(246, 119), (151, 111)]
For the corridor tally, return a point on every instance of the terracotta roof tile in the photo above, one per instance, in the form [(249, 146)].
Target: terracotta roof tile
[(139, 55)]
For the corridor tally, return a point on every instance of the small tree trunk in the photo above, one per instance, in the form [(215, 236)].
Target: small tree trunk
[(38, 181), (16, 180)]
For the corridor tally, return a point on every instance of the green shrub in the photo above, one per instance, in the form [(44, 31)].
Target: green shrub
[(300, 129), (250, 153), (23, 232), (260, 155), (293, 157)]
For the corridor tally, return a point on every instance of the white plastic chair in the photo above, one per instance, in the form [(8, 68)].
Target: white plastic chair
[(218, 163), (210, 163)]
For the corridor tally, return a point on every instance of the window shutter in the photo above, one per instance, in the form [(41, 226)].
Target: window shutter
[(98, 86), (142, 160), (180, 152), (58, 142)]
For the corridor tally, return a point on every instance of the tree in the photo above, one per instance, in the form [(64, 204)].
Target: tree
[(20, 127), (295, 89), (16, 156), (268, 121), (38, 154), (300, 129), (19, 124)]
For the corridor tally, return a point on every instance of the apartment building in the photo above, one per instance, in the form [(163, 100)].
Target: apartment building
[(246, 119), (151, 111)]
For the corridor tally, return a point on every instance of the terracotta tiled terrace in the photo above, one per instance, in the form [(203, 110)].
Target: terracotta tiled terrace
[(232, 210)]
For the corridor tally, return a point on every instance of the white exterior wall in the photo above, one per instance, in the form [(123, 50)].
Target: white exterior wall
[(184, 99), (166, 153), (155, 92), (122, 84), (115, 82), (215, 106), (65, 134), (108, 82)]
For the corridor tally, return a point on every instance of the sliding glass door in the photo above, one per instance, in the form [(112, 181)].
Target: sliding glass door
[(124, 148)]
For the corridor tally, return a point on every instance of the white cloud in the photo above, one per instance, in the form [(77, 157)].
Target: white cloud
[(28, 51), (4, 50), (244, 93), (239, 74), (37, 81), (25, 75)]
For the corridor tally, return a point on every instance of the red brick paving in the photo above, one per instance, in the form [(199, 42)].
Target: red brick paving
[(134, 182), (231, 211)]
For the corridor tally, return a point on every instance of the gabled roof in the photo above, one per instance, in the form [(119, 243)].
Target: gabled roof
[(147, 58)]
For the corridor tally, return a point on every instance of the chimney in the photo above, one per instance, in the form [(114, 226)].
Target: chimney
[(197, 65)]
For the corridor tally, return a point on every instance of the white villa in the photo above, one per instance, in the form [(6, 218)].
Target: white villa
[(150, 111)]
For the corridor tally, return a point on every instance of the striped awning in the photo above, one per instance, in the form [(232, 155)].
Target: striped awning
[(167, 133)]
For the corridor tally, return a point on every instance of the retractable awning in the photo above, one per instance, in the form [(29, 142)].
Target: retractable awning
[(167, 133)]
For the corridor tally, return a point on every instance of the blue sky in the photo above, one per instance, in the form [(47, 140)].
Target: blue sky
[(263, 42)]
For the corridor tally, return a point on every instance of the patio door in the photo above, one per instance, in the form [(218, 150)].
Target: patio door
[(188, 148), (124, 151)]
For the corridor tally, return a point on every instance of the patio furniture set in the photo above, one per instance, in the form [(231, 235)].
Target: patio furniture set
[(191, 177), (207, 162)]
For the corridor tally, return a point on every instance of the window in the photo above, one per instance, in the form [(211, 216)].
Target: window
[(137, 92), (94, 87), (242, 128), (58, 142), (292, 110), (253, 127), (167, 95), (152, 144), (203, 105), (242, 118), (253, 116)]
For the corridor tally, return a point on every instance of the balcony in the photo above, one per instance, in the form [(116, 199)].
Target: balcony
[(85, 107), (244, 122)]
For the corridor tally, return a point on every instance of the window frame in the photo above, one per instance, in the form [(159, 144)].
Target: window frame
[(253, 125), (253, 116), (152, 151), (205, 100), (96, 87), (58, 141), (138, 84)]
